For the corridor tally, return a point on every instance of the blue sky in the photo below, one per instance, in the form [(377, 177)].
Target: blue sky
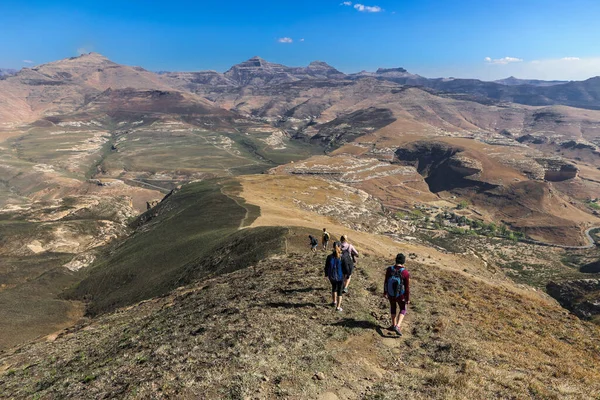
[(546, 39)]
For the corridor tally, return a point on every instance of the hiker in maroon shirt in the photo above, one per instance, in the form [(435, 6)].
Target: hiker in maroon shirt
[(396, 288)]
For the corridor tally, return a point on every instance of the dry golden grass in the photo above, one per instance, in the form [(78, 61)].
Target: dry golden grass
[(267, 336)]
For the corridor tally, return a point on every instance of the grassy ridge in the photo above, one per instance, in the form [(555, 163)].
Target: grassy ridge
[(190, 235)]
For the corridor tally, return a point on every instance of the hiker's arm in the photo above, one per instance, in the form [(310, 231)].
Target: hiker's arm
[(407, 287), (387, 276), (326, 264)]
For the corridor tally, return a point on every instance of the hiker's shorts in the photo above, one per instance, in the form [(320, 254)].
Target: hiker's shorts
[(336, 287), (394, 302), (313, 246)]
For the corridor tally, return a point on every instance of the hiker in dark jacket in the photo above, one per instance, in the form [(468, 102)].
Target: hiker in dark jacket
[(336, 267), (396, 288), (313, 243)]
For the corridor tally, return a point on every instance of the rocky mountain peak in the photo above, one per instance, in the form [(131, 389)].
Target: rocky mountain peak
[(319, 64), (254, 62)]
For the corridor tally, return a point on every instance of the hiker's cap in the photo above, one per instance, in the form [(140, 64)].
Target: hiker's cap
[(400, 258)]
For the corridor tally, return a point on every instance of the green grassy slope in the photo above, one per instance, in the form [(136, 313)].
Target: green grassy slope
[(191, 234)]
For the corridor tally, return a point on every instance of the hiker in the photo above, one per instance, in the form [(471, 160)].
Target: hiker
[(396, 288), (336, 266), (313, 243), (348, 249), (325, 238)]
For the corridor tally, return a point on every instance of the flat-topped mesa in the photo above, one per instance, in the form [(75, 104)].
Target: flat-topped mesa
[(557, 169), (257, 72)]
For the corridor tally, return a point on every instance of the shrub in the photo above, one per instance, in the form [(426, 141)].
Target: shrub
[(462, 205)]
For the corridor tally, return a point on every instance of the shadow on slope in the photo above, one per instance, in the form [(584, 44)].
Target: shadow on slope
[(193, 233)]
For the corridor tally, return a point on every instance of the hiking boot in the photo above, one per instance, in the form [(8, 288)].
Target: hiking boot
[(339, 309), (332, 303), (345, 290), (397, 330)]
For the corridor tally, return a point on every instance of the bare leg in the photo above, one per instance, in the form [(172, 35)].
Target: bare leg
[(339, 302), (347, 282), (399, 319), (334, 297)]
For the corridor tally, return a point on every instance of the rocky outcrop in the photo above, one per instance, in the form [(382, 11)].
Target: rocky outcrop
[(151, 204), (464, 166), (532, 139), (582, 297), (575, 145), (444, 167), (557, 169), (426, 156)]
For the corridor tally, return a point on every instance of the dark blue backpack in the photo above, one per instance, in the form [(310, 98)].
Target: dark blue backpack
[(334, 270), (395, 284)]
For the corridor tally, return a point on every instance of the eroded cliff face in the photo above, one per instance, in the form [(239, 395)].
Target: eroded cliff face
[(464, 166), (557, 169), (444, 167), (582, 296)]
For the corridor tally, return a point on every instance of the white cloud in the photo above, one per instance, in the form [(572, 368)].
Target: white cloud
[(563, 69), (302, 40), (566, 68), (28, 61), (285, 40), (371, 9), (346, 3), (502, 61)]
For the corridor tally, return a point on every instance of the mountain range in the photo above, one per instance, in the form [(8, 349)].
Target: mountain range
[(154, 233)]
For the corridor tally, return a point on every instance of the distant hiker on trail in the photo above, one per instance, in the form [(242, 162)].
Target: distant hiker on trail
[(348, 249), (313, 243), (336, 267), (396, 288), (325, 238)]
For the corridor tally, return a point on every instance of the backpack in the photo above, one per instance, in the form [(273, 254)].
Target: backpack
[(334, 269), (313, 241), (395, 284), (326, 236)]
